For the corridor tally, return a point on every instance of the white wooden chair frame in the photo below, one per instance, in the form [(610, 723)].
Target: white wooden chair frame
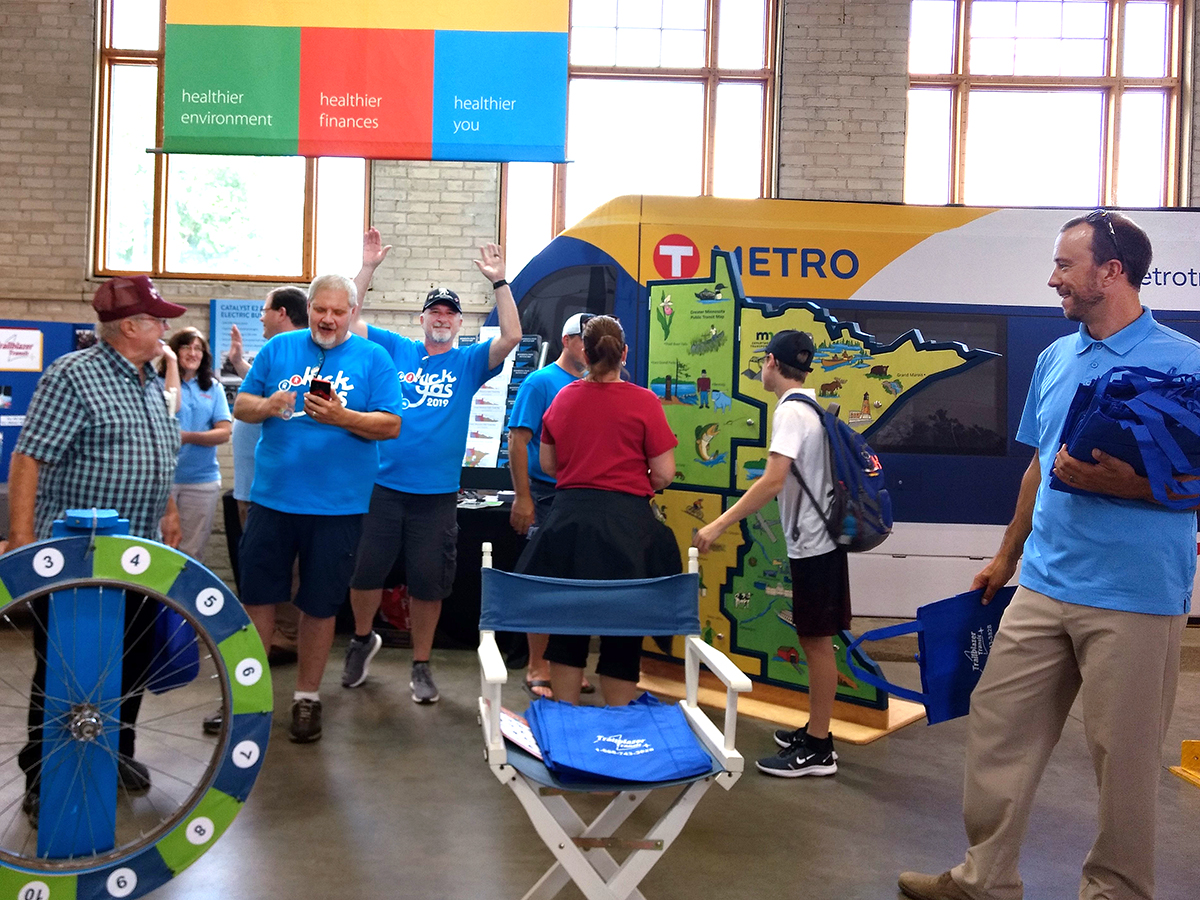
[(581, 849)]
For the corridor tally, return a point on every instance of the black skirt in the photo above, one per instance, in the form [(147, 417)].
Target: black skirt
[(601, 535)]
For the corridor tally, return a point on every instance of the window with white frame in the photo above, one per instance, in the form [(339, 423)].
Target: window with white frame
[(228, 217), (1045, 102), (665, 97)]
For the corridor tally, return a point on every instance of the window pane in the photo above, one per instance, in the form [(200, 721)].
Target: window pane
[(931, 36), (737, 161), (639, 13), (236, 215), (593, 46), (608, 163), (594, 12), (1011, 162), (130, 186), (1146, 39), (990, 18), (683, 49), (1038, 19), (135, 24), (992, 56), (1085, 19), (528, 220), (1082, 57), (341, 212), (741, 35), (1140, 155), (638, 47), (689, 14), (927, 147)]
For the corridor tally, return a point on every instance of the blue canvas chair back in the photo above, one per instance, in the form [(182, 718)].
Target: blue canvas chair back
[(662, 606)]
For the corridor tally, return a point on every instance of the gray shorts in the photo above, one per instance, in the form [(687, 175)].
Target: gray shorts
[(421, 529)]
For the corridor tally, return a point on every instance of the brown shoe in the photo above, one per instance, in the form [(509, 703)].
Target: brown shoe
[(931, 887)]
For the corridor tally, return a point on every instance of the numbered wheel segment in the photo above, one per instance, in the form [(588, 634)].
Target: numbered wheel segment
[(112, 651)]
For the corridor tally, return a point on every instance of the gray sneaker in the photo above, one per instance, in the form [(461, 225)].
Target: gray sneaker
[(358, 659), (423, 688), (306, 721)]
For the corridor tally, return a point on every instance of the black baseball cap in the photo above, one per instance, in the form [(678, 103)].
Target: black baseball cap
[(442, 295), (793, 348)]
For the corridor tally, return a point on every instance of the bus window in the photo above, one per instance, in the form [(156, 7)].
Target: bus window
[(563, 293)]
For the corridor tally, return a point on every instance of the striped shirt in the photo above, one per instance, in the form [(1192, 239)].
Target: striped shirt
[(103, 439)]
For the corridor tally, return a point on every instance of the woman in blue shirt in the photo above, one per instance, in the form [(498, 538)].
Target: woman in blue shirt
[(204, 423)]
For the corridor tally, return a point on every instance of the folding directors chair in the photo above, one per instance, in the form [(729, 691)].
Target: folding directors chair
[(656, 606)]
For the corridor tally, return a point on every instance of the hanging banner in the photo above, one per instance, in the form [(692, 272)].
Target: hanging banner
[(380, 79)]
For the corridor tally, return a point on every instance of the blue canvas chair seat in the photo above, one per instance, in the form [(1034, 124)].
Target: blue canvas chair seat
[(655, 606)]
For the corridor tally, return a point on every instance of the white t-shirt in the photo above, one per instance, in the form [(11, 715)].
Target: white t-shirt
[(797, 433)]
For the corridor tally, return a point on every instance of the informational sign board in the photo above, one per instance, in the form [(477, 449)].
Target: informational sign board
[(381, 79), (26, 349), (245, 315)]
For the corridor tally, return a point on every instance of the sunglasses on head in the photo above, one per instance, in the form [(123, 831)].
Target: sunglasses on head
[(1101, 215)]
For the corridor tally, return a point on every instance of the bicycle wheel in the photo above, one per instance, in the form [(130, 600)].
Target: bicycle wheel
[(112, 649)]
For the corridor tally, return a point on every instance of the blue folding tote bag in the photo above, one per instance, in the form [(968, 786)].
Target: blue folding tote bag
[(1147, 418), (954, 638), (176, 659), (644, 741)]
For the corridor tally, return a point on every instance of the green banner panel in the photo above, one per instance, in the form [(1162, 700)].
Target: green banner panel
[(250, 104)]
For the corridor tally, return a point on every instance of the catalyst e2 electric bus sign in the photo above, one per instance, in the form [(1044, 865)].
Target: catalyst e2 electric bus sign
[(381, 79)]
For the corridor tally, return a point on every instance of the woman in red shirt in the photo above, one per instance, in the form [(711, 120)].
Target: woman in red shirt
[(608, 444)]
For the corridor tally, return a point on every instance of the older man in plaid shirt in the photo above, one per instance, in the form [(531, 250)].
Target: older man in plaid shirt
[(98, 434)]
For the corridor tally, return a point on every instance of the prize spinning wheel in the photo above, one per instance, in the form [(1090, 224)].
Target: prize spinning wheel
[(100, 798)]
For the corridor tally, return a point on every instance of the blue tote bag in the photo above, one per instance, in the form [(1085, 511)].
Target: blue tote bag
[(645, 741), (1147, 418), (176, 659), (954, 638)]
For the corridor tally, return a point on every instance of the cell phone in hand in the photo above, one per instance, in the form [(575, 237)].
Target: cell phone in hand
[(321, 388)]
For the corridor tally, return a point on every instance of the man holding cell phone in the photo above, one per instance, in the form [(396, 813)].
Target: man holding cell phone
[(325, 395)]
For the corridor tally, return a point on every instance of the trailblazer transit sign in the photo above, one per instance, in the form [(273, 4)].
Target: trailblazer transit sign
[(383, 79)]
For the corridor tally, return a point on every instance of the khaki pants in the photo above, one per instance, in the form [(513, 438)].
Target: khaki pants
[(1125, 665), (197, 505)]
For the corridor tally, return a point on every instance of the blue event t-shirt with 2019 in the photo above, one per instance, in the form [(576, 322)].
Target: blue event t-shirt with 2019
[(302, 466), (427, 457)]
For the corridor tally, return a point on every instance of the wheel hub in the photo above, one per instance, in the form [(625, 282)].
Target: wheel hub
[(85, 722)]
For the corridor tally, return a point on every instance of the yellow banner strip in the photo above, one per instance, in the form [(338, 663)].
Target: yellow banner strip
[(423, 15)]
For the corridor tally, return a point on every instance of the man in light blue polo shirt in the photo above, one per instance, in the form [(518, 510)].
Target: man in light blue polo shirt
[(1105, 588), (414, 504)]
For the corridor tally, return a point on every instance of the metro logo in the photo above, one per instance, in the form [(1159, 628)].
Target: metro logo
[(676, 256)]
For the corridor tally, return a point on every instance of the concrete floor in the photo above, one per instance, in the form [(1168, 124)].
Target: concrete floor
[(396, 801)]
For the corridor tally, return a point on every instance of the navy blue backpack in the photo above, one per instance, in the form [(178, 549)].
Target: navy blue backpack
[(860, 515)]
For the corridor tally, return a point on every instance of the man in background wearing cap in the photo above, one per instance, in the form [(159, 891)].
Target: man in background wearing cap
[(98, 433), (414, 506), (820, 572), (533, 487)]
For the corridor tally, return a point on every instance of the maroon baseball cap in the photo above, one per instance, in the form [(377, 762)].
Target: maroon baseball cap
[(122, 297)]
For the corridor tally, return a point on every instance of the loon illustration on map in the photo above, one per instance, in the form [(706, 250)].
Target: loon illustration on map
[(707, 343)]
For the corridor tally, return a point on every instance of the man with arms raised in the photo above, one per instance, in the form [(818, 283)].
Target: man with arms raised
[(348, 402), (414, 505)]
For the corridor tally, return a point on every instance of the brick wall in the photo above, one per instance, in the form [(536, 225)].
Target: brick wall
[(843, 100)]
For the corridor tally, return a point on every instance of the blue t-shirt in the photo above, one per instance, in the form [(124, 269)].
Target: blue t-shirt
[(244, 440), (533, 399), (427, 457), (1089, 549), (302, 466), (200, 411)]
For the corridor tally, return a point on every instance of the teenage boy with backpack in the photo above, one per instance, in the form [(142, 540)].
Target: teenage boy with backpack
[(820, 574)]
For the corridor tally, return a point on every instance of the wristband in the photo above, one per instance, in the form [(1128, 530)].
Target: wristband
[(496, 285)]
